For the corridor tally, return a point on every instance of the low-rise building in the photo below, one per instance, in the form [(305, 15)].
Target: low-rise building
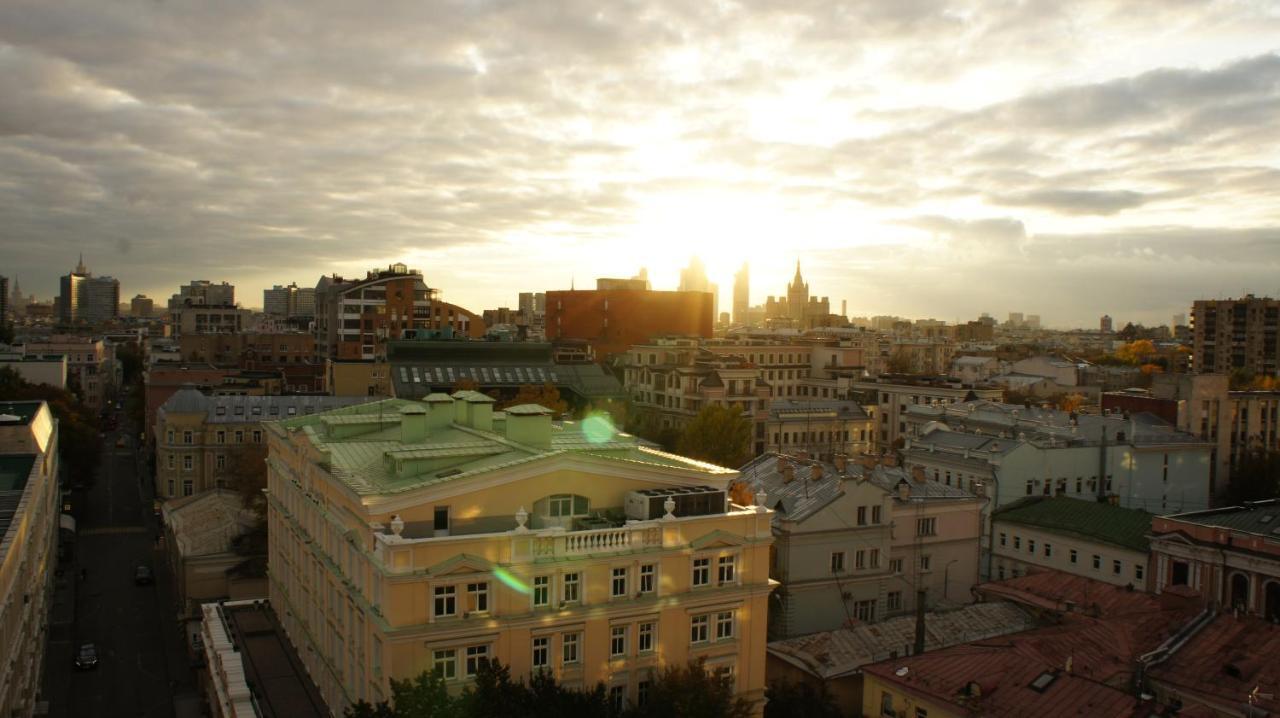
[(1079, 536), (91, 365), (1228, 555), (49, 369), (972, 370), (29, 520), (833, 659), (836, 553), (821, 427), (208, 319), (290, 353), (612, 320), (408, 536), (211, 551), (1223, 669), (893, 395), (200, 438), (357, 377)]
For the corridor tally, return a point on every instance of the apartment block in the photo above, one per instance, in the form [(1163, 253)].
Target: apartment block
[(289, 301), (856, 541), (1079, 536), (91, 364), (29, 515), (613, 320), (355, 318), (408, 536), (1236, 334), (200, 438), (893, 396), (823, 428), (290, 353)]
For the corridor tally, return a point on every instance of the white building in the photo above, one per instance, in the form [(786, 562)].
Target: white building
[(1078, 536)]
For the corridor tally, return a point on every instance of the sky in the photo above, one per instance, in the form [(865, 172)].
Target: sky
[(920, 158)]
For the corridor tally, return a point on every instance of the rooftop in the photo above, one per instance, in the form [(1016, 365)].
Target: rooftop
[(1261, 518), (255, 654), (1226, 661), (1051, 426), (831, 654), (239, 409), (369, 448), (420, 367), (1090, 520), (15, 470), (18, 413), (206, 523), (798, 408)]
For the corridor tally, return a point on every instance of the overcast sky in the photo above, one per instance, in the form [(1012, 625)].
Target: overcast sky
[(926, 159)]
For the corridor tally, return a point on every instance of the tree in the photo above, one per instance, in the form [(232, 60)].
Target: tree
[(247, 468), (130, 358), (1136, 352), (1255, 477), (899, 363), (79, 445), (6, 332), (1069, 402), (465, 385), (691, 692), (799, 700), (718, 434), (546, 395)]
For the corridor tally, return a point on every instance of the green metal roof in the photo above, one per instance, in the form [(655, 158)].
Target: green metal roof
[(376, 462), (1101, 522)]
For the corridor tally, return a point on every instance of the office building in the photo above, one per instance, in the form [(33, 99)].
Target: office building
[(742, 295), (289, 302), (84, 298), (30, 514), (141, 306), (694, 279), (408, 536), (1104, 324), (202, 292), (1236, 335)]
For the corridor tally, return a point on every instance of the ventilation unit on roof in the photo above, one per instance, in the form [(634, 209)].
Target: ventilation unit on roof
[(690, 501)]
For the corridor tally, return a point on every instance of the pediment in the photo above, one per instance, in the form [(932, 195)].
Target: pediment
[(461, 564), (717, 539)]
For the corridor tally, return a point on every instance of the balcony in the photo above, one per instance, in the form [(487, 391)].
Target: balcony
[(558, 543)]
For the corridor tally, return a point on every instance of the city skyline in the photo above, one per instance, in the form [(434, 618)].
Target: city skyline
[(922, 160)]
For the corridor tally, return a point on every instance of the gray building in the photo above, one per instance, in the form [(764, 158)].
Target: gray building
[(83, 297)]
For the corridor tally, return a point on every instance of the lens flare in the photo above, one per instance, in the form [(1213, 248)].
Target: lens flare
[(510, 581), (598, 428)]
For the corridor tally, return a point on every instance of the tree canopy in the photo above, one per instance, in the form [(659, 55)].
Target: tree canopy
[(546, 395), (79, 445), (718, 434)]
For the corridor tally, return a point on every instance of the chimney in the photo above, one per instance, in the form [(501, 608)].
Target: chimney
[(802, 455), (841, 462), (788, 473), (904, 490), (480, 411), (815, 472), (413, 424), (918, 475), (782, 463), (529, 424), (440, 411)]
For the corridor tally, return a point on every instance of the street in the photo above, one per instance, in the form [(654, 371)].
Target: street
[(143, 663)]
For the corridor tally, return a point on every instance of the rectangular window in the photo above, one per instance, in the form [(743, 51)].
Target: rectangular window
[(220, 461), (186, 437), (865, 611), (1003, 538), (642, 693), (724, 625), (924, 563), (862, 515), (170, 461), (859, 560), (1137, 571), (221, 437), (617, 641), (169, 436), (571, 583), (644, 637), (187, 487), (1017, 542), (445, 662), (1031, 546), (893, 600), (927, 527), (569, 648), (1097, 562), (257, 437), (648, 577), (478, 597), (875, 558), (701, 571), (618, 587), (895, 565), (239, 437), (1031, 485), (542, 590), (1117, 567), (1074, 556), (698, 628), (476, 654), (617, 698), (446, 602), (1048, 550), (541, 659), (188, 462), (726, 569), (837, 562)]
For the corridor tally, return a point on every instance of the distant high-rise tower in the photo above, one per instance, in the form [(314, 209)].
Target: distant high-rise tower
[(741, 294), (83, 297), (694, 279), (797, 296), (1104, 325)]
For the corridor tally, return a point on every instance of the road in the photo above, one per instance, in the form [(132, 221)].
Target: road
[(143, 663)]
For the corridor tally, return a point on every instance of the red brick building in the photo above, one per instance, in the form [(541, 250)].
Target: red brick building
[(293, 354), (612, 320)]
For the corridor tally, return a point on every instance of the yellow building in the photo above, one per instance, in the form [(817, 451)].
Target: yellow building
[(29, 520), (410, 536)]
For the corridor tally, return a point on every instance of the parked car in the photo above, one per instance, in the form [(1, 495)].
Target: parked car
[(142, 576), (87, 657)]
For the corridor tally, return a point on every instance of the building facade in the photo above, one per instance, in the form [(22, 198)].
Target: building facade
[(30, 503), (202, 440), (84, 298), (821, 427), (1229, 555), (50, 369), (209, 548), (141, 306), (91, 365), (613, 320), (1078, 536), (894, 395), (408, 536), (355, 318), (202, 292), (1236, 334), (290, 301)]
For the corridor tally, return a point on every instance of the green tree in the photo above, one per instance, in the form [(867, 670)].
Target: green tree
[(899, 363), (247, 476), (1255, 477), (130, 358), (691, 692), (546, 395), (79, 445), (6, 332), (799, 700), (720, 435)]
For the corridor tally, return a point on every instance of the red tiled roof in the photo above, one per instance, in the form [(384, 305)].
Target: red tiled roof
[(1004, 671), (1225, 662), (1051, 590)]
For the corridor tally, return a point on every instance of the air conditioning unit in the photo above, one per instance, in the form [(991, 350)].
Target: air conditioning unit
[(690, 501)]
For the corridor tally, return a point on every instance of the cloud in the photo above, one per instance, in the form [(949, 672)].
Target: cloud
[(1069, 201)]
